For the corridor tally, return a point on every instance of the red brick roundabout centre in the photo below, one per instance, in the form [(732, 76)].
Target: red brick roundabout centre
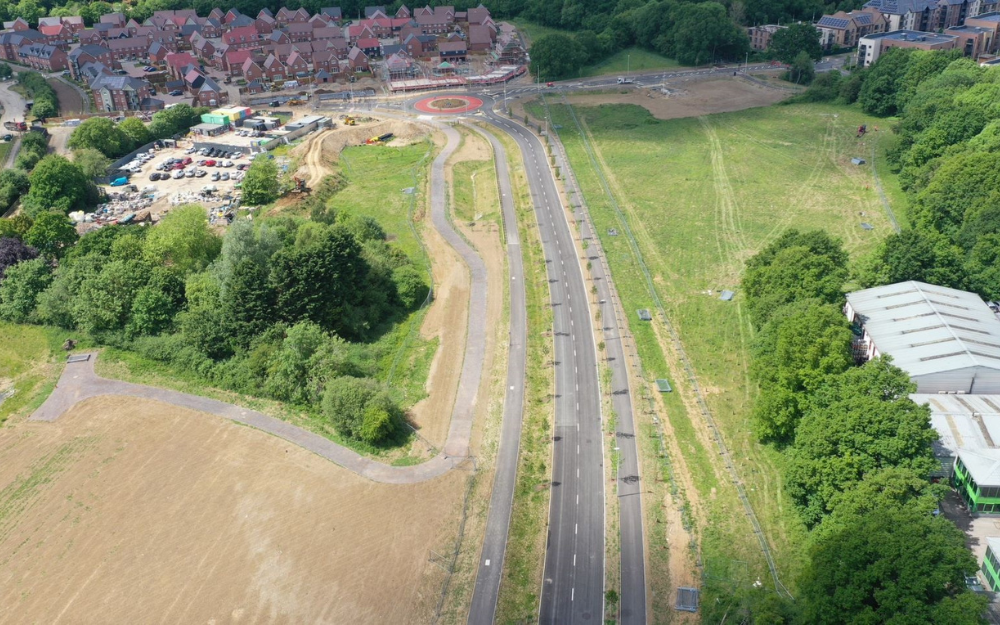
[(448, 104)]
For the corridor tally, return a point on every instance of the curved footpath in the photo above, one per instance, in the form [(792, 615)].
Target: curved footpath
[(79, 381)]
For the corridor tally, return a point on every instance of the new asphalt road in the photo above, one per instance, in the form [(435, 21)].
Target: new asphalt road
[(573, 579)]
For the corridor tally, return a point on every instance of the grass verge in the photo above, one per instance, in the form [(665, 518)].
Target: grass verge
[(701, 196), (522, 575), (31, 360)]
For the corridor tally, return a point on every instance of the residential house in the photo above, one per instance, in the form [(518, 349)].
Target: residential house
[(375, 11), (299, 31), (508, 49), (233, 60), (90, 36), (265, 24), (760, 36), (339, 46), (323, 77), (842, 30), (43, 57), (327, 32), (334, 13), (324, 60), (128, 49), (400, 66), (296, 65), (481, 38), (202, 47), (370, 46), (252, 71), (17, 25), (209, 93), (357, 60), (217, 15), (85, 54), (402, 11), (119, 93), (253, 87), (452, 51), (114, 19), (11, 42), (274, 69), (277, 38), (157, 53), (242, 38), (58, 35), (74, 23), (478, 15), (433, 24), (177, 62)]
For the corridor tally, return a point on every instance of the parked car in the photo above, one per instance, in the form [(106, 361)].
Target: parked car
[(119, 182), (238, 155), (227, 163), (201, 173), (209, 163), (190, 150), (187, 161), (176, 92), (154, 176), (225, 175), (215, 176), (178, 174), (8, 137), (189, 173)]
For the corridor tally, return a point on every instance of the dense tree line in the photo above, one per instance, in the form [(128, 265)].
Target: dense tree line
[(117, 139), (858, 456), (280, 308), (40, 92)]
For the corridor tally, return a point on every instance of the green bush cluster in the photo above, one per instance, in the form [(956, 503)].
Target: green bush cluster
[(857, 454), (46, 102), (280, 308)]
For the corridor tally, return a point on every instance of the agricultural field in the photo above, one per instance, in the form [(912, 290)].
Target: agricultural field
[(701, 195), (130, 510)]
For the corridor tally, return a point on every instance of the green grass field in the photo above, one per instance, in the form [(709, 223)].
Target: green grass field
[(30, 363), (702, 195)]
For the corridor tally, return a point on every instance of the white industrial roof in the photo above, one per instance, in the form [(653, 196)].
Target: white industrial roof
[(963, 421), (994, 544), (983, 465), (928, 329)]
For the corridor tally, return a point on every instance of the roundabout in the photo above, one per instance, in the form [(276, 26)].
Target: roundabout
[(448, 104)]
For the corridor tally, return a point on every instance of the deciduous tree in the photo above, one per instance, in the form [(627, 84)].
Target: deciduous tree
[(260, 185), (787, 43)]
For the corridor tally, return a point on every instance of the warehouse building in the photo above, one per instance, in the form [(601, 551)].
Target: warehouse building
[(947, 340)]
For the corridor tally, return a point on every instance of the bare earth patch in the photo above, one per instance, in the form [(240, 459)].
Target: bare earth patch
[(690, 97), (129, 510)]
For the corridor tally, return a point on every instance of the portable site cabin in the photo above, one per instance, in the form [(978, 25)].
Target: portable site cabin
[(947, 340)]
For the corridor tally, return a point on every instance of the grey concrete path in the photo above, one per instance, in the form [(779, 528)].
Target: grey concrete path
[(490, 571), (79, 381)]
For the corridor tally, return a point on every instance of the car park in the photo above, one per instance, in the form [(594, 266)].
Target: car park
[(176, 92)]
